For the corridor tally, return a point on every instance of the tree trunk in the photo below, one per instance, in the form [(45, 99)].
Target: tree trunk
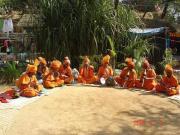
[(116, 2), (144, 14), (166, 5)]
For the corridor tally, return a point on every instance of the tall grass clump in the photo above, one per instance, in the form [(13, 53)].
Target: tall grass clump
[(9, 73), (82, 27)]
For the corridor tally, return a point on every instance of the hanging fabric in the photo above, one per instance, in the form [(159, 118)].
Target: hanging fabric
[(173, 38), (8, 25)]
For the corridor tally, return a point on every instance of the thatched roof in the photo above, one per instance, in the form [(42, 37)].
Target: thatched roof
[(29, 20), (15, 15)]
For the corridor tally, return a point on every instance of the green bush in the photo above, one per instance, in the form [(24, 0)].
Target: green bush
[(138, 49), (82, 27), (167, 59), (9, 73)]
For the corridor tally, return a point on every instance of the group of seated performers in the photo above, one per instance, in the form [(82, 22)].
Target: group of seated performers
[(58, 74)]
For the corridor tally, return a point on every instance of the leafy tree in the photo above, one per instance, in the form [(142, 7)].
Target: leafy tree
[(166, 6)]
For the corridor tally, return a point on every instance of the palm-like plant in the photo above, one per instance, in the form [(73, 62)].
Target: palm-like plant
[(168, 57), (137, 49), (9, 73)]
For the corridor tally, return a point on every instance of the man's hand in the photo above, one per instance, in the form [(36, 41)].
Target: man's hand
[(64, 76)]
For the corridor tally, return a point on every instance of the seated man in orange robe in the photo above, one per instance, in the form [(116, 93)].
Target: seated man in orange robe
[(86, 73), (66, 71), (168, 83), (128, 75), (147, 77), (52, 79), (28, 83), (42, 68), (105, 71)]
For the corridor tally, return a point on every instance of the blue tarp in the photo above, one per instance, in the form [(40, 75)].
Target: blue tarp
[(147, 31)]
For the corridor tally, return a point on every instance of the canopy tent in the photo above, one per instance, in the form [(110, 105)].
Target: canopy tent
[(147, 31)]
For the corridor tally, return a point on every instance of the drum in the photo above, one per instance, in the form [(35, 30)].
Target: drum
[(110, 82)]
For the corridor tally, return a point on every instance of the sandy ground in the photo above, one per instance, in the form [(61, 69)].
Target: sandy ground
[(98, 111), (3, 88)]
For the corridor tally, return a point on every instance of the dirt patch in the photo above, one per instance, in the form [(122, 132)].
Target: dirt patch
[(3, 88), (98, 111)]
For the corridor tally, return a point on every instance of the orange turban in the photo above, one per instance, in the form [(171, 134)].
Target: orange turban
[(36, 62), (106, 59), (42, 60), (168, 69), (86, 60), (145, 63), (55, 64), (31, 69), (128, 60)]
